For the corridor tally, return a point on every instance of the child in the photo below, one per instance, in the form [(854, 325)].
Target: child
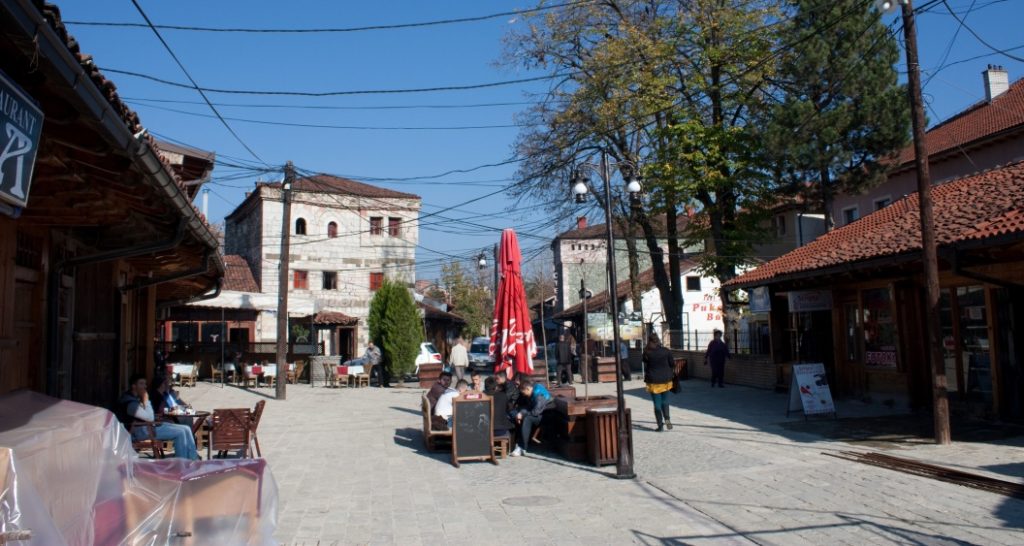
[(537, 399)]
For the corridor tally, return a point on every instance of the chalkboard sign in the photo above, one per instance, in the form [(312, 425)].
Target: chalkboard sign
[(472, 432)]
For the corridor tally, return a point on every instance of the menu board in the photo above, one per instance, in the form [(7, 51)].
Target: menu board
[(809, 390)]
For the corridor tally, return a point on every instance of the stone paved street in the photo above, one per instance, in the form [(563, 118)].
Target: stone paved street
[(351, 469)]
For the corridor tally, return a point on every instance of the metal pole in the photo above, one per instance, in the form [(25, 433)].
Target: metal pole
[(928, 246), (585, 363), (223, 333), (282, 281), (624, 463), (544, 335)]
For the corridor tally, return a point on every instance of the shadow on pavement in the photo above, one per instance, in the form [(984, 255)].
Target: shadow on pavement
[(412, 438), (858, 423), (407, 410)]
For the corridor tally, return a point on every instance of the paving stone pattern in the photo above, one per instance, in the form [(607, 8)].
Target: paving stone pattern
[(351, 469)]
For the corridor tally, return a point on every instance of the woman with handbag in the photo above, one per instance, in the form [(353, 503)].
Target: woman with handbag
[(659, 372)]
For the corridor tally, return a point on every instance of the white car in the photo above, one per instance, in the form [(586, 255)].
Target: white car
[(428, 355)]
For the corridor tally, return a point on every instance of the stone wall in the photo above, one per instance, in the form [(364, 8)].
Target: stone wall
[(756, 371)]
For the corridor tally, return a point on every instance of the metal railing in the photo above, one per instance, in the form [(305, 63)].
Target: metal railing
[(191, 350), (740, 342)]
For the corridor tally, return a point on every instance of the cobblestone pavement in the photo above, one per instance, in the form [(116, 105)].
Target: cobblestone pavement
[(351, 469)]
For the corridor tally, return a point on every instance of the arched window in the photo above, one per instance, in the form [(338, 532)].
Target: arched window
[(332, 230), (300, 226)]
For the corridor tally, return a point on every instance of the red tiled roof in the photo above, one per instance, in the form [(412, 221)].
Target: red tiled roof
[(237, 275), (325, 183), (977, 122), (975, 207), (107, 88), (599, 231), (432, 312)]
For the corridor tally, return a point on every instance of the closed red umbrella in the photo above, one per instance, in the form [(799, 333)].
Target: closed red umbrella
[(512, 344)]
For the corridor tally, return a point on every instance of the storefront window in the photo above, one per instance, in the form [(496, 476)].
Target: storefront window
[(879, 329), (850, 310), (974, 342)]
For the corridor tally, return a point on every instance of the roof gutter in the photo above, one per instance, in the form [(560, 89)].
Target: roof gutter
[(204, 267), (186, 301)]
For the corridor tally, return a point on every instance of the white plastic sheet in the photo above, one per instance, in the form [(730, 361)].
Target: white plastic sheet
[(69, 475)]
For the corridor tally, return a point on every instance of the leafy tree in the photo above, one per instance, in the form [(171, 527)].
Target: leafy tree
[(470, 298), (842, 111), (395, 327)]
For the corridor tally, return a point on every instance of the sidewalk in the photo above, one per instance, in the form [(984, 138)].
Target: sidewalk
[(351, 469)]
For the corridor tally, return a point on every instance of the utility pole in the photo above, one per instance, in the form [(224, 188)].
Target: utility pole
[(280, 382), (928, 248), (585, 363)]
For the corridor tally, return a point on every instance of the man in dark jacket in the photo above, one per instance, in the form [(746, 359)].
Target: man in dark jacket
[(717, 354), (538, 399), (511, 390), (435, 392), (564, 369)]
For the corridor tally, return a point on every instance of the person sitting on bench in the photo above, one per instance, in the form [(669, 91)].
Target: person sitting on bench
[(445, 407), (537, 399)]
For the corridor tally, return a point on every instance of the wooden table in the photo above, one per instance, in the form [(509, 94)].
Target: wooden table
[(572, 433), (194, 420)]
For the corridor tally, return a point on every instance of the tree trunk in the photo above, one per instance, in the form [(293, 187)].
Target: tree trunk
[(658, 267), (827, 199), (674, 273), (634, 266)]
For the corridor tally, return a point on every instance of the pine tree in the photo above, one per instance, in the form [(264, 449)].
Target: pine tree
[(842, 111), (396, 327)]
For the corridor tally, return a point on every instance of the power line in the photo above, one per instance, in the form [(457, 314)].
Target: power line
[(984, 42), (137, 100), (466, 87), (335, 30), (194, 84), (327, 126)]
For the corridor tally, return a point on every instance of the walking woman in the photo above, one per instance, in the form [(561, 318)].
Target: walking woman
[(658, 374)]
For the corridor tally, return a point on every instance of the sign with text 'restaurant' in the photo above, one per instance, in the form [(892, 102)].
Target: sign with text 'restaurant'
[(21, 124)]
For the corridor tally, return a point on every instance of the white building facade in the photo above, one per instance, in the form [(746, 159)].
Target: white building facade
[(346, 237)]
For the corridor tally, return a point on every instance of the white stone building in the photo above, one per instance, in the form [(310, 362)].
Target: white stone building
[(346, 237)]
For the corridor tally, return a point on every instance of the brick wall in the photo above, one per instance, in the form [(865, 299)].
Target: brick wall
[(756, 371)]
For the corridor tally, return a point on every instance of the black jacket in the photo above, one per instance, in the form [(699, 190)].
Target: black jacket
[(659, 366)]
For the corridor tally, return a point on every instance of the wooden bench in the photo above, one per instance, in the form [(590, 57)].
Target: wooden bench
[(432, 436)]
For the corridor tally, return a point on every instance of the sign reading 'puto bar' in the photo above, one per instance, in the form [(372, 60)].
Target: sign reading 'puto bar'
[(21, 124)]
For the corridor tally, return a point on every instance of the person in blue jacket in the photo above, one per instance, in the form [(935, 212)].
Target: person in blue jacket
[(538, 399)]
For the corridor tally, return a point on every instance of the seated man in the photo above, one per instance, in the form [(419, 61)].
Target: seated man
[(477, 381), (445, 407), (370, 358), (164, 398), (537, 399), (134, 406), (443, 382), (511, 390)]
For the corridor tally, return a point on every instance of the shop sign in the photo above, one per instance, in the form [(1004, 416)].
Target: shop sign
[(801, 301), (880, 360), (760, 300), (21, 124), (809, 390), (599, 326)]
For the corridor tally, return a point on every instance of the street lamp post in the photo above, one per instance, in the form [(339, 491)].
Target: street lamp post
[(624, 463)]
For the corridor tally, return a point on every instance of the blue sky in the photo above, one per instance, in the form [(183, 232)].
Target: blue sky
[(459, 54)]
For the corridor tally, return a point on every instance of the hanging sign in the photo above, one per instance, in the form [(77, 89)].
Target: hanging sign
[(808, 390), (760, 300), (810, 300), (21, 124)]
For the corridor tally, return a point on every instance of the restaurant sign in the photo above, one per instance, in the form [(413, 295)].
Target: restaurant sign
[(801, 301), (21, 124)]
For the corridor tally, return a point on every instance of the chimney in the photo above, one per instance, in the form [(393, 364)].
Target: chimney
[(997, 81), (581, 222)]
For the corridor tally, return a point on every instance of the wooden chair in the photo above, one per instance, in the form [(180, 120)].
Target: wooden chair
[(257, 414), (156, 447), (230, 431), (190, 378), (432, 436), (502, 444), (269, 374), (295, 371), (363, 379), (330, 374)]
